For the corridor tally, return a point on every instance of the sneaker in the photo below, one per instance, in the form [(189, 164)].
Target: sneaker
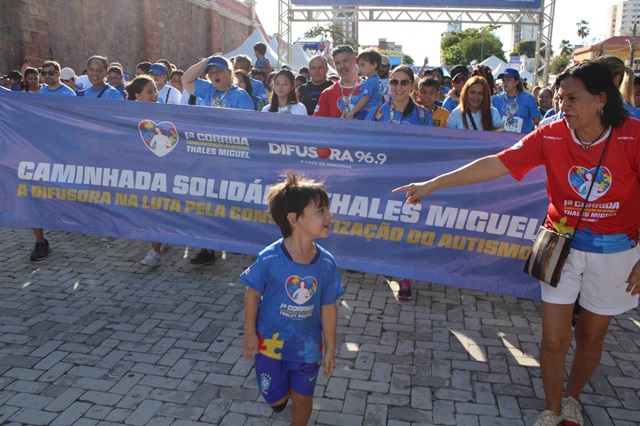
[(571, 411), (40, 251), (205, 257), (548, 418), (163, 247), (152, 259), (405, 290)]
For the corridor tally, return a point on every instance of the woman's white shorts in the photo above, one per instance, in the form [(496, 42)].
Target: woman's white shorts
[(599, 278)]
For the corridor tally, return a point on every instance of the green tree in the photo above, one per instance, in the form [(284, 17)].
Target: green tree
[(559, 63), (528, 47), (565, 48), (583, 29), (471, 44), (334, 33)]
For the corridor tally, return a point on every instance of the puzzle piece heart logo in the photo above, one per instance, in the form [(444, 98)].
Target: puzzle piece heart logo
[(580, 179), (300, 289), (161, 138)]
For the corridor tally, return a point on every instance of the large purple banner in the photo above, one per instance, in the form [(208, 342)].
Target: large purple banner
[(199, 176), (475, 4)]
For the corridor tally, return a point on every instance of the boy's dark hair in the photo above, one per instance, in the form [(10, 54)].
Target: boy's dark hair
[(303, 69), (372, 56), (292, 196), (261, 48), (144, 66), (176, 72), (429, 82), (301, 78)]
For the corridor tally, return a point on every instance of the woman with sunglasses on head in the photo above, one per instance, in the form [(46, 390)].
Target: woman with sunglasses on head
[(401, 109), (475, 111)]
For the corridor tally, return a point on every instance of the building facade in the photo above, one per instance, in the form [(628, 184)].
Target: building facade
[(125, 31), (622, 17)]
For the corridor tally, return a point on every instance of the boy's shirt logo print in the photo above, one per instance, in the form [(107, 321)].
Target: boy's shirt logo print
[(160, 138), (301, 289)]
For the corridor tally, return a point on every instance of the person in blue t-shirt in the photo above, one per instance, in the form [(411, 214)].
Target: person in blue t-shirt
[(623, 82), (290, 302), (220, 91), (401, 109), (53, 86), (97, 71), (519, 109), (371, 92)]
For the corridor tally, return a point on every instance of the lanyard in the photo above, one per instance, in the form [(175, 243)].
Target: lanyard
[(218, 102), (510, 109), (392, 113), (347, 99)]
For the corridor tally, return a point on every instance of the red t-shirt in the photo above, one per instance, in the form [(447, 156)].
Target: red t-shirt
[(334, 98), (614, 203)]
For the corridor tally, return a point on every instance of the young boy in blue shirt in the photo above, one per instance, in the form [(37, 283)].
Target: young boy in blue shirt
[(372, 91), (290, 302)]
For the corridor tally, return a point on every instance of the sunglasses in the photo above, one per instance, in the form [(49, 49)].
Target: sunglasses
[(461, 79), (403, 83), (46, 73)]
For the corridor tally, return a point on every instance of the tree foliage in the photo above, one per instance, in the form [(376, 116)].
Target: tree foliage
[(528, 47), (471, 44), (583, 29), (559, 63), (333, 33), (566, 48)]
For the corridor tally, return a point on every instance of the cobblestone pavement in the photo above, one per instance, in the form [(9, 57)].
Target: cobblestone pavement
[(91, 337)]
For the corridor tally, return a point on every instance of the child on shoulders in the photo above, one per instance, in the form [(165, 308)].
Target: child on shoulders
[(371, 93)]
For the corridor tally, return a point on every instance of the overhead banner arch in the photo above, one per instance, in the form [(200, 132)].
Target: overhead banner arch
[(538, 13)]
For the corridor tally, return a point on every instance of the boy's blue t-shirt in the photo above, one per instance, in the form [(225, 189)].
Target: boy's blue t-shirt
[(373, 88), (289, 322), (109, 93), (235, 97), (419, 116), (527, 110), (449, 104), (633, 111)]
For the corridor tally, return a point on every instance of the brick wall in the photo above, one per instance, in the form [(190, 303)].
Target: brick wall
[(127, 31)]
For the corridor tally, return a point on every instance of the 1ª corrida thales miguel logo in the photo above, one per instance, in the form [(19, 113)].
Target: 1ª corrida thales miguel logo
[(160, 138)]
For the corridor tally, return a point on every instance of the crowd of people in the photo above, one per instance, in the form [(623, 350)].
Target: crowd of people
[(563, 126)]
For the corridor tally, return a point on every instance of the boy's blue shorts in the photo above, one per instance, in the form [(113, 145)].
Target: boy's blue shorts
[(276, 377)]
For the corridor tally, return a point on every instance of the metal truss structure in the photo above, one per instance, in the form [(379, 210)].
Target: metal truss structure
[(542, 18)]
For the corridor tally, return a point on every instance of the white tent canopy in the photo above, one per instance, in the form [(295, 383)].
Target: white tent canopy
[(494, 62), (247, 48), (499, 69), (526, 74), (273, 44)]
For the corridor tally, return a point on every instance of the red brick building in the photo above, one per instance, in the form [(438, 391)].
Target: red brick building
[(126, 31)]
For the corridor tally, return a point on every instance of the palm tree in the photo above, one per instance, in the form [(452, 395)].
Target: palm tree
[(565, 47), (583, 29)]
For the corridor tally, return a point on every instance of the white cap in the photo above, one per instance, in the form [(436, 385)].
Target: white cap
[(67, 73)]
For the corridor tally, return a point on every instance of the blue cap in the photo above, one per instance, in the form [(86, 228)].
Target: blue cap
[(218, 62), (158, 69), (510, 72)]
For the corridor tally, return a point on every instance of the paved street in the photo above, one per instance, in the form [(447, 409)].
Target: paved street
[(91, 337)]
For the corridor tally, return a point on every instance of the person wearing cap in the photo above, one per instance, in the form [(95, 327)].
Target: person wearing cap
[(97, 71), (518, 108), (4, 82), (383, 73), (310, 92), (14, 77), (220, 91), (243, 62), (336, 100), (459, 76), (166, 93), (53, 86), (68, 78)]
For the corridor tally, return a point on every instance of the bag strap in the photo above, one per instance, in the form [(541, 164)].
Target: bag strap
[(473, 122), (106, 86), (593, 181)]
